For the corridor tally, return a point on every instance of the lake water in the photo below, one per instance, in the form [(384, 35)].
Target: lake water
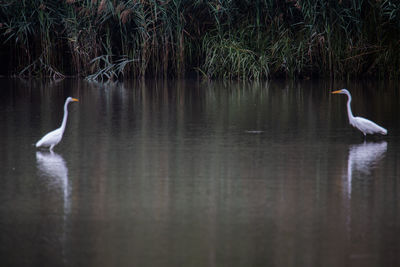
[(191, 173)]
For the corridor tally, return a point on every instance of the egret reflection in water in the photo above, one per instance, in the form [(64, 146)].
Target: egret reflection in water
[(52, 165), (363, 158)]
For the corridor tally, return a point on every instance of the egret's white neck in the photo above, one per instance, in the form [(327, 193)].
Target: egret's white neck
[(349, 112), (64, 121)]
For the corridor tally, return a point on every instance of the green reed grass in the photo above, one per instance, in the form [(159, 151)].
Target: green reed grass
[(231, 39)]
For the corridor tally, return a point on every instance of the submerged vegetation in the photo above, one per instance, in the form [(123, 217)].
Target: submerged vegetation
[(241, 39)]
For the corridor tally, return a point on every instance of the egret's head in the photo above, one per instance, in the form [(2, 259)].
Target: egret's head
[(71, 99), (343, 91)]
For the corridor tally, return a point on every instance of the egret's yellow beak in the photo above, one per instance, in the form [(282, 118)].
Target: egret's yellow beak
[(75, 99), (337, 92)]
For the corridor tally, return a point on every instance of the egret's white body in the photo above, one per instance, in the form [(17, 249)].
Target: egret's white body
[(362, 124), (54, 137)]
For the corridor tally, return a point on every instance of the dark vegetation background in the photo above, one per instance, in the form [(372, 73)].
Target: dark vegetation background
[(240, 39)]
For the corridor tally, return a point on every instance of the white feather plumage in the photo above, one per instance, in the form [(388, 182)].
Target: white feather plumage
[(54, 137), (364, 125)]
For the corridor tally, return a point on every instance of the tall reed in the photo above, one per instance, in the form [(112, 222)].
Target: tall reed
[(232, 39)]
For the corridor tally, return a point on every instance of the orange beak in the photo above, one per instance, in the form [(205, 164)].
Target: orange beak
[(75, 99), (337, 92)]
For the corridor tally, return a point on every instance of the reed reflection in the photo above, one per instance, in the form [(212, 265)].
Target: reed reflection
[(362, 159)]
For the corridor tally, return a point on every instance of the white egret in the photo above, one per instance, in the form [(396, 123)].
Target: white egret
[(362, 124), (54, 137)]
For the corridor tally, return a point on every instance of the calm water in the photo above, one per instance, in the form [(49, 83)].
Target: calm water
[(199, 174)]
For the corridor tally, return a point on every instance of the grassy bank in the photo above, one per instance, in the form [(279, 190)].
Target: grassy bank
[(250, 39)]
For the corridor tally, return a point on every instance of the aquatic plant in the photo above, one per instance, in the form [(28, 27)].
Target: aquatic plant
[(232, 39)]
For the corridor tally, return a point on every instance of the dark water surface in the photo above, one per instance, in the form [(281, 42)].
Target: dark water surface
[(199, 174)]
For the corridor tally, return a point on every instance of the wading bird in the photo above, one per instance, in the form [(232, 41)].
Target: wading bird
[(54, 137), (362, 124)]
